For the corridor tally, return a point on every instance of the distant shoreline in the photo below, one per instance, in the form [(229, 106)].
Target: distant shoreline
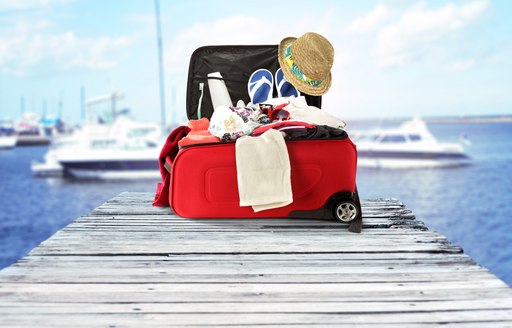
[(470, 119), (453, 119)]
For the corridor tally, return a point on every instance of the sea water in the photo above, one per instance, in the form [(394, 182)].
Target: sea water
[(471, 205)]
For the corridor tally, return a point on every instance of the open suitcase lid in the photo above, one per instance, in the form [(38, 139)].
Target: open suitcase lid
[(236, 64)]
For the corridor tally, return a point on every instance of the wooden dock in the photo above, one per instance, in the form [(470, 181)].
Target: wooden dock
[(128, 264)]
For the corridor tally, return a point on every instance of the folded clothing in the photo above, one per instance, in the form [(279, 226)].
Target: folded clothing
[(317, 132), (283, 126), (301, 111), (231, 123), (263, 171), (198, 133)]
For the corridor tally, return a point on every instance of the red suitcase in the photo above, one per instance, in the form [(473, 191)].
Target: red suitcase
[(203, 178)]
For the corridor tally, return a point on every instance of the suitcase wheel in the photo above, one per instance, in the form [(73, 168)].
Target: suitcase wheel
[(346, 211)]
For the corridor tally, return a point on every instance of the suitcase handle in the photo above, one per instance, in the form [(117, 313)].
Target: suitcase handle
[(168, 164)]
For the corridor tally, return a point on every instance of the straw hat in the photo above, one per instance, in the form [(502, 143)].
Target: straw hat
[(306, 62)]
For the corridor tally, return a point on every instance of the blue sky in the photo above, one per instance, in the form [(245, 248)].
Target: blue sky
[(393, 58)]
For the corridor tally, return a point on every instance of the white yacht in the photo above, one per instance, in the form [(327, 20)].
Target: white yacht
[(7, 141), (411, 145), (110, 145), (8, 138), (122, 150), (30, 131)]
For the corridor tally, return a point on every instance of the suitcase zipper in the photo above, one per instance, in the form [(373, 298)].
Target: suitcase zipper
[(207, 144), (232, 142)]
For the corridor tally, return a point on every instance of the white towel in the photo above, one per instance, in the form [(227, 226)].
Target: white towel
[(263, 171)]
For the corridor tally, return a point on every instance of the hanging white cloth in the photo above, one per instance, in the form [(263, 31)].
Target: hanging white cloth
[(263, 171)]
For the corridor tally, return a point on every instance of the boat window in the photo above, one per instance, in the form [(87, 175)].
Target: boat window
[(369, 137), (414, 137), (102, 143), (393, 138), (151, 144), (140, 132)]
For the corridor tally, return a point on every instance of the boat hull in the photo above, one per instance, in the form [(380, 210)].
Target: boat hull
[(401, 160), (112, 169), (7, 142), (33, 140), (46, 169)]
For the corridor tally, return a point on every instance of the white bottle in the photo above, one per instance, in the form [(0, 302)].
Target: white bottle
[(218, 91)]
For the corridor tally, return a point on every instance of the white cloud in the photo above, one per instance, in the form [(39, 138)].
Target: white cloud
[(242, 29), (30, 48), (385, 36), (29, 4), (419, 27), (31, 45), (501, 57), (238, 29), (370, 21), (462, 64)]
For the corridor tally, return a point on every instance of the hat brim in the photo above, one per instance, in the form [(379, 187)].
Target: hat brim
[(293, 79)]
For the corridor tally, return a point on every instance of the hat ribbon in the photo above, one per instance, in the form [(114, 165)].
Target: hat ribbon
[(295, 69)]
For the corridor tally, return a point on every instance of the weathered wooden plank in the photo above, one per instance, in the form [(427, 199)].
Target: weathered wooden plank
[(359, 257), (254, 307), (91, 246), (221, 293), (241, 269), (191, 226), (155, 248), (226, 267), (147, 198), (297, 224), (501, 318), (273, 267), (194, 295), (308, 259), (256, 237), (247, 241), (139, 275)]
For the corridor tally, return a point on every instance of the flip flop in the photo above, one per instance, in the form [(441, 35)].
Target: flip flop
[(284, 88), (260, 86)]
